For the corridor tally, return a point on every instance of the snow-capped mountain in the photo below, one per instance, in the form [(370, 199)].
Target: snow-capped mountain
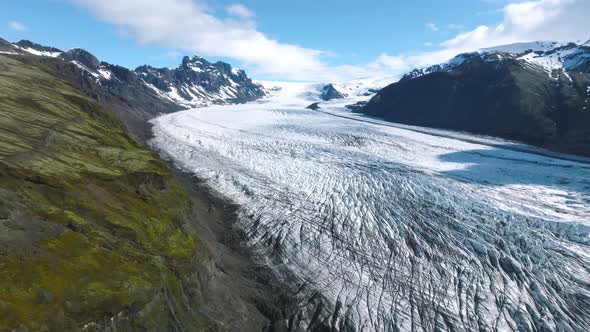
[(348, 91), (197, 82), (8, 48), (537, 93), (136, 96), (329, 92), (355, 88), (88, 63), (37, 49), (552, 57), (537, 46)]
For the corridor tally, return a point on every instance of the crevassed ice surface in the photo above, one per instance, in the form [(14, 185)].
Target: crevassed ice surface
[(386, 229)]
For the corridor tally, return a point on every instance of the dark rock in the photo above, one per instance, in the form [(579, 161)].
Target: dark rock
[(5, 46), (81, 56), (329, 92), (314, 106), (356, 106), (496, 94), (198, 77)]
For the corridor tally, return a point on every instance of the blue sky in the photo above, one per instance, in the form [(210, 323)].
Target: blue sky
[(292, 40)]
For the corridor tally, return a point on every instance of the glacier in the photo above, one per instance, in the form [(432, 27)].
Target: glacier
[(378, 227)]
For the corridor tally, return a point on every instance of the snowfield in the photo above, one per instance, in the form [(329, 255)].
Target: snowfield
[(386, 228)]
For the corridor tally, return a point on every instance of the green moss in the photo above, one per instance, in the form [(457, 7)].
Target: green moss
[(114, 214), (73, 270)]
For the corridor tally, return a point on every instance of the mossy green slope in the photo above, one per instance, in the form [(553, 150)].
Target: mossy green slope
[(92, 225)]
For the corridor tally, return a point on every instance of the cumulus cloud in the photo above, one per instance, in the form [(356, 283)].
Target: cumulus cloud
[(523, 21), (553, 20), (191, 26), (18, 26)]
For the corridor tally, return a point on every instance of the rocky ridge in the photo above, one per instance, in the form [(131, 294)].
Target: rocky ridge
[(194, 83), (537, 93)]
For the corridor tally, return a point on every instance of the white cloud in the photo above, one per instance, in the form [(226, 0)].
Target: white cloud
[(554, 20), (546, 20), (189, 25), (432, 27), (14, 25), (240, 11)]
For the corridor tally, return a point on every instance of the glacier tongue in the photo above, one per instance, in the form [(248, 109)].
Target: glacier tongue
[(382, 228)]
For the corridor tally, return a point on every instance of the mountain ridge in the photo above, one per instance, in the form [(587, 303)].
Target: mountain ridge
[(539, 97), (98, 232), (195, 82), (198, 82)]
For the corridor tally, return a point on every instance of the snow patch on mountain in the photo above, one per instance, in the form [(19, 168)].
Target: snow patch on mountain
[(195, 83), (537, 46), (445, 66), (198, 82), (85, 69), (296, 94), (305, 92), (37, 49), (363, 86), (41, 53), (552, 57)]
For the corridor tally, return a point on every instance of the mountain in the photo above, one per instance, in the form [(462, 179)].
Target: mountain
[(358, 89), (197, 82), (8, 48), (85, 60), (92, 225), (117, 88), (136, 96), (329, 92), (537, 93), (97, 232), (355, 88), (37, 49)]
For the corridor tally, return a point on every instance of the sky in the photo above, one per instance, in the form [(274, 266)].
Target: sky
[(294, 40)]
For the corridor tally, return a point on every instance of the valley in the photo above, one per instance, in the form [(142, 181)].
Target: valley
[(381, 228), (191, 197)]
